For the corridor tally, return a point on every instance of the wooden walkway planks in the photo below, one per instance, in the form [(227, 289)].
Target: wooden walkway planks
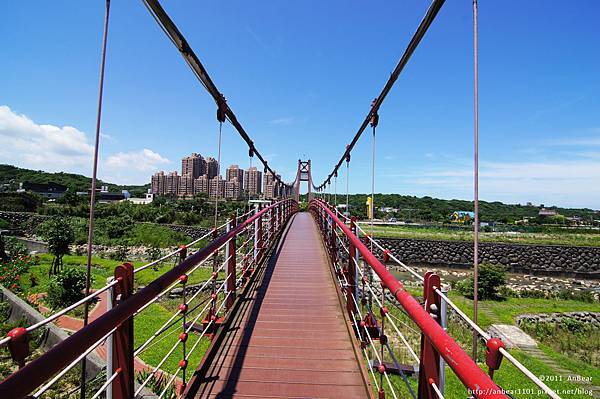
[(289, 339)]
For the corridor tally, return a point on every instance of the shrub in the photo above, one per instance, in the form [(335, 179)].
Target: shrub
[(121, 253), (153, 253), (15, 248), (155, 236), (533, 294), (116, 227), (157, 383), (12, 270), (66, 287), (491, 280), (581, 296)]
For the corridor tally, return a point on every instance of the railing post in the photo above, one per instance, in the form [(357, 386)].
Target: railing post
[(429, 367), (259, 242), (231, 256), (271, 226), (122, 351), (351, 276), (256, 240), (333, 244), (444, 324), (278, 219), (110, 340)]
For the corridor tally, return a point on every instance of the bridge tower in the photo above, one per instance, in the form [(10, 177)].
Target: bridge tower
[(303, 174)]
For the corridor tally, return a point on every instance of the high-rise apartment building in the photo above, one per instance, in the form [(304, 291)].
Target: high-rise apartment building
[(212, 167), (234, 172), (253, 181), (158, 183), (232, 189), (201, 185), (216, 188), (186, 186), (269, 186), (234, 184), (172, 183), (194, 166), (200, 175)]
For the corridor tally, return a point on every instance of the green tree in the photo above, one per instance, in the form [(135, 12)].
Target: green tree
[(66, 287), (59, 235), (491, 279), (72, 199)]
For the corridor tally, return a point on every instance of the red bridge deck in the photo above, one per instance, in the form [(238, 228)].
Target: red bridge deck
[(289, 337)]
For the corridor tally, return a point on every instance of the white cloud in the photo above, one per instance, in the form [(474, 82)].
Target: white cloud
[(573, 183), (283, 121), (48, 147), (27, 144), (134, 167), (585, 138), (269, 157), (144, 160)]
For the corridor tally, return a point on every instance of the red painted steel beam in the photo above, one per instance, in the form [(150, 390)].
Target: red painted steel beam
[(474, 378), (35, 373), (123, 387)]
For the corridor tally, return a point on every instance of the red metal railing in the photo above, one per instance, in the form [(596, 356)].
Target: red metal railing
[(435, 341), (119, 320)]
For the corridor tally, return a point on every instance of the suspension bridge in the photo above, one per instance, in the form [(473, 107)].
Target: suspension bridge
[(300, 302)]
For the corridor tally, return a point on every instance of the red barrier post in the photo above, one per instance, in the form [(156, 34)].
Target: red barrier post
[(123, 385), (271, 226), (351, 273), (259, 241), (231, 266), (333, 243), (429, 365)]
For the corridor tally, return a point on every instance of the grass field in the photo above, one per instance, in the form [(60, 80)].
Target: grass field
[(565, 237), (104, 268)]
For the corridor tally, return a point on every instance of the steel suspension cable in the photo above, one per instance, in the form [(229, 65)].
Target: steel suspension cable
[(90, 237), (475, 177), (335, 191), (374, 122), (432, 12), (347, 181)]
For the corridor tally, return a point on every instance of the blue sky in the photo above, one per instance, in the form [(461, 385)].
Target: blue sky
[(300, 77)]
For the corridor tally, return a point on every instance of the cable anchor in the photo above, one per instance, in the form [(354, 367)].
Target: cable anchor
[(221, 108), (374, 114)]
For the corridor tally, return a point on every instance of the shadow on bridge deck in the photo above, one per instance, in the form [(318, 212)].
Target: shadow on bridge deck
[(289, 337)]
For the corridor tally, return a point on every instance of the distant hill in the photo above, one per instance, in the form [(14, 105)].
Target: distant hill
[(12, 176)]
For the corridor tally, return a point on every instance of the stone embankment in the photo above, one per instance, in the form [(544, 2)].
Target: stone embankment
[(191, 231), (551, 259), (592, 318), (23, 222)]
